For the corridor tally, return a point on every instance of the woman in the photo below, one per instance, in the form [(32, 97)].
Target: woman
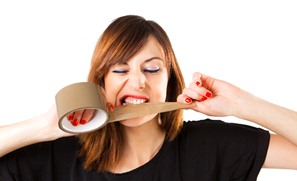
[(134, 62)]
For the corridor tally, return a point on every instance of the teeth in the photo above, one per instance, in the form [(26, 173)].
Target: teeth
[(131, 100)]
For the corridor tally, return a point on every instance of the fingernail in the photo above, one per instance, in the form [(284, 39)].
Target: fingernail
[(208, 94), (75, 122), (188, 100), (198, 83), (70, 118), (83, 121), (111, 108), (203, 98)]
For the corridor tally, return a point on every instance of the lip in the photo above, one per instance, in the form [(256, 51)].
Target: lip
[(133, 96)]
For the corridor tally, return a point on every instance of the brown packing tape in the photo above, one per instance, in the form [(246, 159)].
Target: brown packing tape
[(83, 95)]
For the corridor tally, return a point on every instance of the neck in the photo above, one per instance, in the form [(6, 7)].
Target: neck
[(142, 143)]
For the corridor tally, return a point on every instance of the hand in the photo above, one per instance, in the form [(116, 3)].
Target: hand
[(83, 116), (48, 124), (211, 96)]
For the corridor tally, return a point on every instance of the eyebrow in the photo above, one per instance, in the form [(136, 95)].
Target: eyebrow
[(150, 59)]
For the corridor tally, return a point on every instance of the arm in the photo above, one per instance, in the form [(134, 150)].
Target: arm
[(218, 98), (282, 151), (38, 129)]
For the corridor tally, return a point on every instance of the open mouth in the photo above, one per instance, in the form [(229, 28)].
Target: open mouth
[(132, 100)]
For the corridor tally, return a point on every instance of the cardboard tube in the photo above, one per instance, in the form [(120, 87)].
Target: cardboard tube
[(83, 95)]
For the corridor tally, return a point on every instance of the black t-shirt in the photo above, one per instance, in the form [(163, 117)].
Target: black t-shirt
[(204, 150)]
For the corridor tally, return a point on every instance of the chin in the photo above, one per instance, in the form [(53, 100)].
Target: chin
[(136, 122)]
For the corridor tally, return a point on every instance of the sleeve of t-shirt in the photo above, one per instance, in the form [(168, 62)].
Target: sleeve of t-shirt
[(6, 172), (26, 163), (40, 161), (230, 150)]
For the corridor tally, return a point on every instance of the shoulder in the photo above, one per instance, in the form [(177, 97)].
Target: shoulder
[(220, 132), (217, 127), (42, 149), (227, 149), (66, 144), (41, 160), (41, 154)]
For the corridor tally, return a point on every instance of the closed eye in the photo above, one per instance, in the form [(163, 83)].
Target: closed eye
[(120, 71), (152, 70)]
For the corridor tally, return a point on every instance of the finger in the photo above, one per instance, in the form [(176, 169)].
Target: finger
[(77, 117), (182, 98), (203, 80), (197, 78), (70, 116), (110, 106), (200, 90), (193, 94), (87, 116)]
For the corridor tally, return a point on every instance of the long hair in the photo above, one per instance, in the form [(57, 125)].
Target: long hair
[(122, 39)]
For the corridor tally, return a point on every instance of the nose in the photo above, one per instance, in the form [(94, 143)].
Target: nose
[(137, 80)]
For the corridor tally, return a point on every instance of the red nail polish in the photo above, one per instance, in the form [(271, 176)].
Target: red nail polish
[(197, 83), (75, 122), (70, 118), (188, 100), (208, 94), (203, 98), (83, 121), (111, 108)]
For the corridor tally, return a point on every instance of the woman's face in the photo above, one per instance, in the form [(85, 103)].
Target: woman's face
[(142, 79)]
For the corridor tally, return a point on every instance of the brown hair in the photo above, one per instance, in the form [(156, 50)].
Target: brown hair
[(122, 39)]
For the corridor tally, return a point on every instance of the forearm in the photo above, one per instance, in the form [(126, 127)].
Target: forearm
[(278, 119), (21, 134), (34, 130)]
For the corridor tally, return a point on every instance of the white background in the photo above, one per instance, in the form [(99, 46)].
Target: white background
[(46, 45)]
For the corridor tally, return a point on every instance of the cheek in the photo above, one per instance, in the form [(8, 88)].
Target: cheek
[(159, 87), (163, 91), (112, 88)]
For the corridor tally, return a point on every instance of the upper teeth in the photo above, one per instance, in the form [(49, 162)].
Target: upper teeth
[(131, 100)]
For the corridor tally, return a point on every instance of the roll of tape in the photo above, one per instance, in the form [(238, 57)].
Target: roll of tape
[(83, 95)]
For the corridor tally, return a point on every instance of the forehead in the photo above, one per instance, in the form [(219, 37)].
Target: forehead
[(150, 49)]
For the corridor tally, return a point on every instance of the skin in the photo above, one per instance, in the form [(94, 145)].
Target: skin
[(144, 77), (143, 136)]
